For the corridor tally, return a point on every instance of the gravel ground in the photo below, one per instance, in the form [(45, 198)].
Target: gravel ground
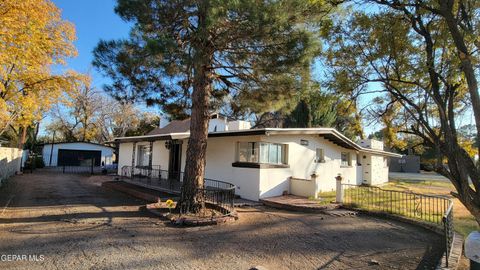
[(71, 222)]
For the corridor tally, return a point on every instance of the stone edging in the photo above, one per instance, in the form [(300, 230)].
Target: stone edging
[(321, 209), (187, 221), (457, 245)]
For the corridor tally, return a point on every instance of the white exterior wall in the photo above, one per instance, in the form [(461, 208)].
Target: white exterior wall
[(303, 187), (375, 169), (367, 168), (379, 170), (184, 154), (10, 162), (124, 155), (301, 161), (219, 123), (221, 153), (107, 152), (160, 155), (255, 183), (371, 143), (238, 125)]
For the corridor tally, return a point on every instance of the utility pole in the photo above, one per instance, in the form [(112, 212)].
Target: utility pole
[(51, 149)]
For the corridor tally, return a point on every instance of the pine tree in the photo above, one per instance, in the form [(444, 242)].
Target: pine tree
[(183, 54)]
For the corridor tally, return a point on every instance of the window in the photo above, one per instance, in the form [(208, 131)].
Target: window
[(320, 155), (346, 159), (247, 152), (261, 152), (143, 156), (272, 153)]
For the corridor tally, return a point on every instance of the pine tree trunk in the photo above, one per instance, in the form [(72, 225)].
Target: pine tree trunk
[(192, 198)]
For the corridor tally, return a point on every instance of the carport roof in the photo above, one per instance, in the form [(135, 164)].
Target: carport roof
[(329, 134), (92, 143)]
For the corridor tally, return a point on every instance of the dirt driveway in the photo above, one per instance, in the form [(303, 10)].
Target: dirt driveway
[(70, 222)]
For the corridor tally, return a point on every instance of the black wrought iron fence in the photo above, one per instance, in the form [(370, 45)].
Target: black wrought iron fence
[(215, 192), (86, 167), (448, 231), (436, 210), (219, 193)]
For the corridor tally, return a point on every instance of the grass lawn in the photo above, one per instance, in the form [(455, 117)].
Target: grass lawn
[(403, 204), (463, 221), (325, 198)]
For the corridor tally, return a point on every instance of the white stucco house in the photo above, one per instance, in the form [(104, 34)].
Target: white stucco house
[(76, 154), (263, 162)]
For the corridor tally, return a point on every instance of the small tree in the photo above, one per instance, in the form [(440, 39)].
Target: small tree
[(184, 54), (33, 37)]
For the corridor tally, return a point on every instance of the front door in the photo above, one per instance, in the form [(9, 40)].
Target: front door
[(175, 161)]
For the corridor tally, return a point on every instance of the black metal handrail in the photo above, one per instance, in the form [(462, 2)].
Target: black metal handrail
[(436, 210), (448, 231), (215, 192)]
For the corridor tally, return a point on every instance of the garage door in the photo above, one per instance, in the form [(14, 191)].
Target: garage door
[(67, 157)]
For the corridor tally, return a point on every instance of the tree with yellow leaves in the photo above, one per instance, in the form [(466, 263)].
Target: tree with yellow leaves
[(33, 37)]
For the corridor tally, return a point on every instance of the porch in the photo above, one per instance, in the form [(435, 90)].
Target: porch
[(217, 193), (153, 178)]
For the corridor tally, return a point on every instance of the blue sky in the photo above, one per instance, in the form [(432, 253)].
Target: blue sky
[(93, 20)]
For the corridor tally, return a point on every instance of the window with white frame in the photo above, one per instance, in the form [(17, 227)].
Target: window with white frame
[(143, 155), (247, 152), (346, 159), (319, 155), (261, 152)]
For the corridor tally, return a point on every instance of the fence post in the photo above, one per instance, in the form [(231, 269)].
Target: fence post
[(339, 197), (314, 184), (91, 166)]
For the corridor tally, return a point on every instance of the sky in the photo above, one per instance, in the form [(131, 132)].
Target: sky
[(93, 20)]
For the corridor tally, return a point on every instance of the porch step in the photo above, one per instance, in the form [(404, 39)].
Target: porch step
[(297, 203), (239, 202), (340, 213)]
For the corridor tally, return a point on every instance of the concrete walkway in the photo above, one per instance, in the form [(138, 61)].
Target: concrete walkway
[(417, 177), (302, 204)]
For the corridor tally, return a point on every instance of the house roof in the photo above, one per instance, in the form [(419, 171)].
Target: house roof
[(181, 126), (329, 134), (176, 126)]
